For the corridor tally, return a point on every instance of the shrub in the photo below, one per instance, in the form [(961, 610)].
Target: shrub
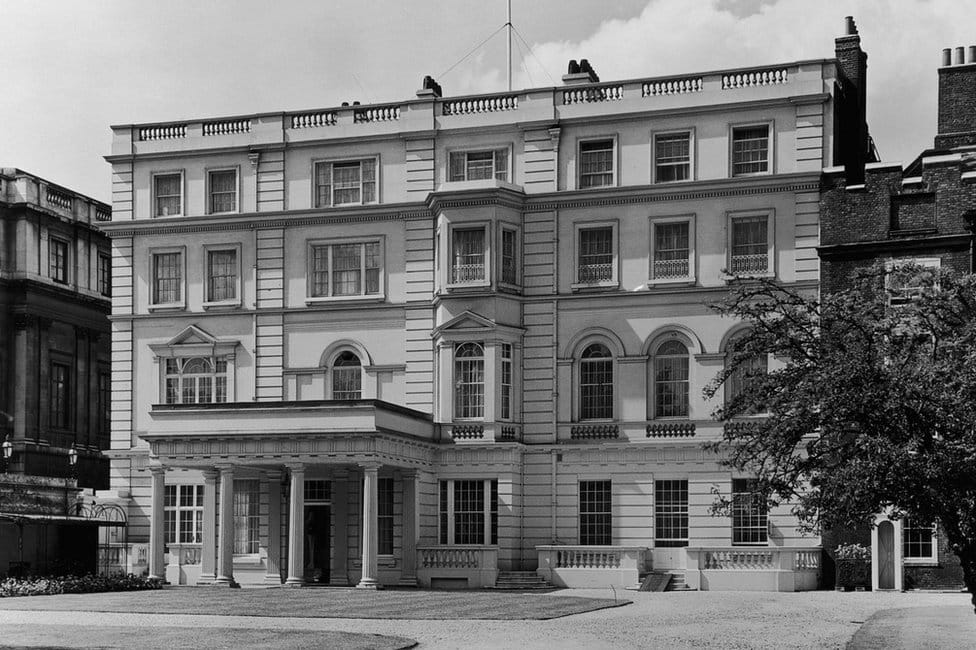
[(70, 584), (852, 552)]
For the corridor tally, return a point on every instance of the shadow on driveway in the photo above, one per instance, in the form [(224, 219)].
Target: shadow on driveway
[(914, 628)]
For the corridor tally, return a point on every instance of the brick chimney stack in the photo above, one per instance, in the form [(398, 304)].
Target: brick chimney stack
[(957, 99), (852, 145)]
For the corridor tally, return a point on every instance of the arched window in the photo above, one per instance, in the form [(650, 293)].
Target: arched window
[(469, 381), (596, 383), (196, 380), (347, 377), (671, 380), (746, 372)]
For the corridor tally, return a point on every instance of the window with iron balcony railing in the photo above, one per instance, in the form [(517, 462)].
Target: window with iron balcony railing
[(749, 263), (670, 269)]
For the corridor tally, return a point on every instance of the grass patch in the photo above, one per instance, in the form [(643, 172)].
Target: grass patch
[(324, 603)]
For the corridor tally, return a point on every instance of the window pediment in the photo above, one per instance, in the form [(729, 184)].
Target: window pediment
[(469, 323), (194, 341)]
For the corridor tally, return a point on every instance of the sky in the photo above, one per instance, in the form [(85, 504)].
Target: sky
[(72, 68)]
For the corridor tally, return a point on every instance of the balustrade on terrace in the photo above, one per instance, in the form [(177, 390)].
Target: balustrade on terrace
[(533, 100)]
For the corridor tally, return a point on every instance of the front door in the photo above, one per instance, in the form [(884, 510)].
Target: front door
[(318, 533), (886, 555)]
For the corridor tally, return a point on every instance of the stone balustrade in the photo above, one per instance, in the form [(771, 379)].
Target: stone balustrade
[(376, 114), (755, 78), (592, 566), (766, 568), (477, 565), (791, 81), (309, 120), (475, 105), (162, 132), (589, 94), (59, 198), (672, 87), (226, 127)]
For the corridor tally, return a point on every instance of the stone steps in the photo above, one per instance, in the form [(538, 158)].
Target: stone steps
[(516, 580)]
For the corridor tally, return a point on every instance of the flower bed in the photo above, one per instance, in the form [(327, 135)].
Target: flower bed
[(44, 586)]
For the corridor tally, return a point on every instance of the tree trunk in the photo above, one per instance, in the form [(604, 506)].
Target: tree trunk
[(967, 557)]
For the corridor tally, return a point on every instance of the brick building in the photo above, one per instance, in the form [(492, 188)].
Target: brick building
[(55, 287), (924, 213)]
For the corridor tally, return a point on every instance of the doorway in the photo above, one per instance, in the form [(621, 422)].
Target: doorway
[(318, 537), (886, 555)]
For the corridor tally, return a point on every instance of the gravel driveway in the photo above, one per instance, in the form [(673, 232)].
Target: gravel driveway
[(654, 620)]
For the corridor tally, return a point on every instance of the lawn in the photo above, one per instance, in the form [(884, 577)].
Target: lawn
[(322, 603)]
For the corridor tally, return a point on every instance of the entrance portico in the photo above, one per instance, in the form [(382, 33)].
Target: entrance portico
[(327, 486)]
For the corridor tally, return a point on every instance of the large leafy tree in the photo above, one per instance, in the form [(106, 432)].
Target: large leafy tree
[(871, 406)]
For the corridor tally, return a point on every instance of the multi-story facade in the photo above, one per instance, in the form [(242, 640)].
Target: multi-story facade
[(923, 213), (55, 365), (422, 342)]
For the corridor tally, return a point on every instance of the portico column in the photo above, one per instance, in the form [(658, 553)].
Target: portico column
[(296, 527), (225, 559), (156, 540), (272, 574), (208, 557), (409, 546), (370, 499), (339, 575)]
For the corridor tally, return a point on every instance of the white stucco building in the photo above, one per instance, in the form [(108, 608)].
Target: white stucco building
[(430, 341)]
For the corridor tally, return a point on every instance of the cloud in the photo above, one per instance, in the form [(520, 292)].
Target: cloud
[(903, 40)]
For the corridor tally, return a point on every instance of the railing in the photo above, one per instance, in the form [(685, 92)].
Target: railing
[(593, 94), (670, 430), (467, 431), (740, 560), (595, 273), (461, 273), (59, 198), (670, 269), (749, 264), (474, 563), (162, 132), (376, 114), (672, 87), (767, 568), (311, 120), (584, 558), (509, 434), (755, 78), (477, 105), (592, 566), (227, 127), (103, 214), (594, 431)]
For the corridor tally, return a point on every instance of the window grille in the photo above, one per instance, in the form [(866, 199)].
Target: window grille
[(183, 514), (353, 267), (347, 377), (595, 255), (223, 191), (671, 513), (750, 245), (672, 253), (169, 194), (221, 275), (196, 380), (167, 278), (469, 255), (345, 183)]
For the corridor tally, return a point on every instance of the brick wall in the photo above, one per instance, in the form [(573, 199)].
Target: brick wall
[(957, 106), (946, 575)]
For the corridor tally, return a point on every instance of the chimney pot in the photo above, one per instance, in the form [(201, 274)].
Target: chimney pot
[(345, 103), (574, 67), (959, 56), (946, 57), (850, 28), (971, 57)]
